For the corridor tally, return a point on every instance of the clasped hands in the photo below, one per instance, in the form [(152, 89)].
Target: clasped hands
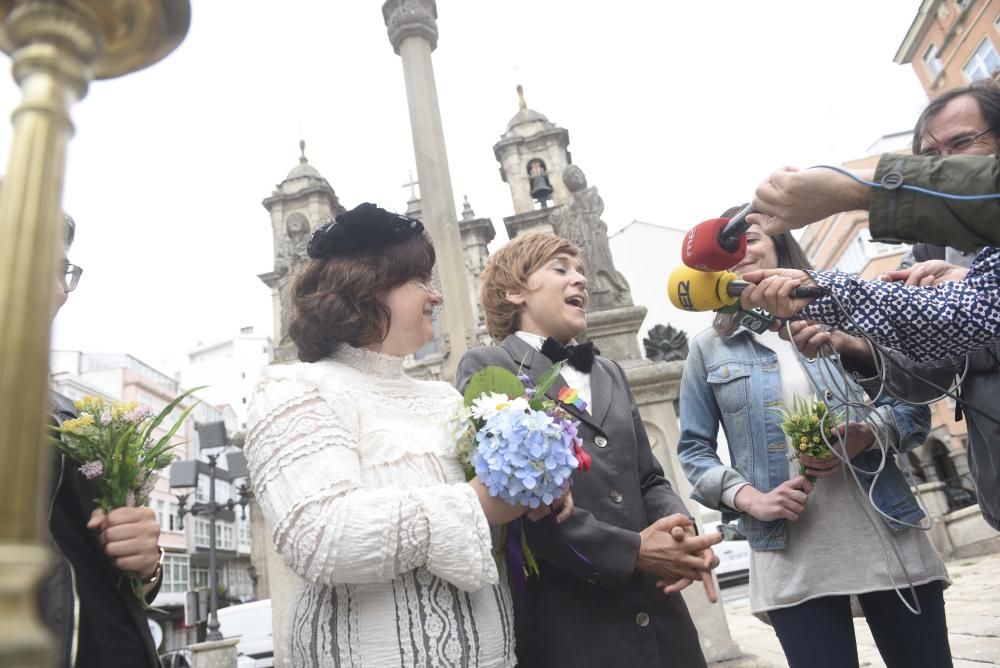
[(669, 550)]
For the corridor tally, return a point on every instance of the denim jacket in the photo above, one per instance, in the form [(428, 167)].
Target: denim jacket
[(734, 381)]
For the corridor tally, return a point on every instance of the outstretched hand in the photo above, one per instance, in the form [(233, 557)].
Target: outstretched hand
[(810, 337), (926, 274), (791, 198), (773, 291)]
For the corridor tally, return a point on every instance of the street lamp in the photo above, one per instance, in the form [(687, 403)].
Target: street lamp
[(185, 474)]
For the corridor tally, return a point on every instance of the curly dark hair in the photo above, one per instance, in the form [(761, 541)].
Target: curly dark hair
[(337, 300)]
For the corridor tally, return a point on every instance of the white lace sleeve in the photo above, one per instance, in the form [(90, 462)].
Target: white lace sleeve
[(306, 469)]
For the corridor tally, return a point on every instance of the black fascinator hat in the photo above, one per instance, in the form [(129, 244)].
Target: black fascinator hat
[(364, 227)]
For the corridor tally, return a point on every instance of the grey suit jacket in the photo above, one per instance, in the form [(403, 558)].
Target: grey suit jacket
[(597, 610)]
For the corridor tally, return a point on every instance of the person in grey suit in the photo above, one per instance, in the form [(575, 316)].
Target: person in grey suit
[(607, 593)]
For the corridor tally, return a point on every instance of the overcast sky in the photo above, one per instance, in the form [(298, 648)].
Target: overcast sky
[(675, 111)]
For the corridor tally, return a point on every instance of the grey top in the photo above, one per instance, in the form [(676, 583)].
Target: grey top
[(833, 549)]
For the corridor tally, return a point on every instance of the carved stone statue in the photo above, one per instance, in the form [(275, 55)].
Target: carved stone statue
[(291, 254), (579, 220), (665, 344)]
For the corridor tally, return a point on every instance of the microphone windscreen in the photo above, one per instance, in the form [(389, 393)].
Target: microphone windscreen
[(693, 290), (701, 249)]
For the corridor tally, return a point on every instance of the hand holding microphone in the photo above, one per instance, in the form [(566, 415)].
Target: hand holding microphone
[(782, 292), (693, 290)]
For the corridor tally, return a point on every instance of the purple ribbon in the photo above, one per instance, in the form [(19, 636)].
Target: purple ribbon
[(515, 557)]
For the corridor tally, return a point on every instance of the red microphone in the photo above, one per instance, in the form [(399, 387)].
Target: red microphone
[(717, 244)]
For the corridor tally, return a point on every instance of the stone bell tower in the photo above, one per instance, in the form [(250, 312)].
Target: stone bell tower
[(532, 152), (297, 205)]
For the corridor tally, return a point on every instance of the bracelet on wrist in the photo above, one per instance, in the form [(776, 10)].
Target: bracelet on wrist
[(154, 577)]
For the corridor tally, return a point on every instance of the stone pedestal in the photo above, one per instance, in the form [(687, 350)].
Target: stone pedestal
[(214, 654), (530, 221), (614, 332), (284, 586), (969, 533), (934, 498)]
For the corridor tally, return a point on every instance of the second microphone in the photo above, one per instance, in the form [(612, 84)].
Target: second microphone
[(693, 290)]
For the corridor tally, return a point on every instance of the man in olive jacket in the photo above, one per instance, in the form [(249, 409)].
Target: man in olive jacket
[(600, 599)]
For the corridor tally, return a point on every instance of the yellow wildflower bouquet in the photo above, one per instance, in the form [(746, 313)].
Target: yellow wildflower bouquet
[(113, 444), (805, 426), (112, 441)]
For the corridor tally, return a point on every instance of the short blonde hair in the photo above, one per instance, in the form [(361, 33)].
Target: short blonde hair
[(507, 271)]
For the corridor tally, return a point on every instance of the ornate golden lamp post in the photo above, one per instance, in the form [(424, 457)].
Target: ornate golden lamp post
[(57, 48)]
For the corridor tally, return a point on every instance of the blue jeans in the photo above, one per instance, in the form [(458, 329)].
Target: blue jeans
[(820, 633)]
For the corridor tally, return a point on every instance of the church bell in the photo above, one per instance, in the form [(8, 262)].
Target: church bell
[(541, 189)]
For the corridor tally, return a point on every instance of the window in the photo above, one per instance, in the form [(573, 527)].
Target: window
[(983, 62), (225, 534), (201, 532), (861, 251), (175, 573), (199, 577), (244, 531), (174, 520), (932, 61), (201, 494), (160, 508)]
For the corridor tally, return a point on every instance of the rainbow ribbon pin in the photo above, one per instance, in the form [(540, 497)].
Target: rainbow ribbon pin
[(568, 395)]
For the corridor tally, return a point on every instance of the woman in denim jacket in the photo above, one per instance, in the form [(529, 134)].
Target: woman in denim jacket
[(813, 545)]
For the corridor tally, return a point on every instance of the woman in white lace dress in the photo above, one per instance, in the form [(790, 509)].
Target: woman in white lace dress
[(354, 466)]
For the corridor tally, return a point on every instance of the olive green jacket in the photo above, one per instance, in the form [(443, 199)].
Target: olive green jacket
[(901, 215)]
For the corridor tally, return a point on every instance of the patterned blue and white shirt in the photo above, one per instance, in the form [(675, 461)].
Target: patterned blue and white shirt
[(923, 323)]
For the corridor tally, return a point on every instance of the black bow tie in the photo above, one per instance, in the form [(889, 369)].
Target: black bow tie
[(580, 357)]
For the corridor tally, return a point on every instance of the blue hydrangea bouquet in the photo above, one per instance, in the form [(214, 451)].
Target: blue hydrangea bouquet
[(522, 445)]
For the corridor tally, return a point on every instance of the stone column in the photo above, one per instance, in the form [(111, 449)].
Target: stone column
[(412, 28)]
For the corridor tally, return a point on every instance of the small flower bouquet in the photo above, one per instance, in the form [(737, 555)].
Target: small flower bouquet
[(806, 425), (522, 445), (113, 444)]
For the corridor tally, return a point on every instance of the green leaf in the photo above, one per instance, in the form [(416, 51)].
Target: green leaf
[(166, 411), (164, 443), (548, 378), (493, 379)]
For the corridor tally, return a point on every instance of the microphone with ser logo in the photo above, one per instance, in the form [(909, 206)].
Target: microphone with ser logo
[(693, 290)]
